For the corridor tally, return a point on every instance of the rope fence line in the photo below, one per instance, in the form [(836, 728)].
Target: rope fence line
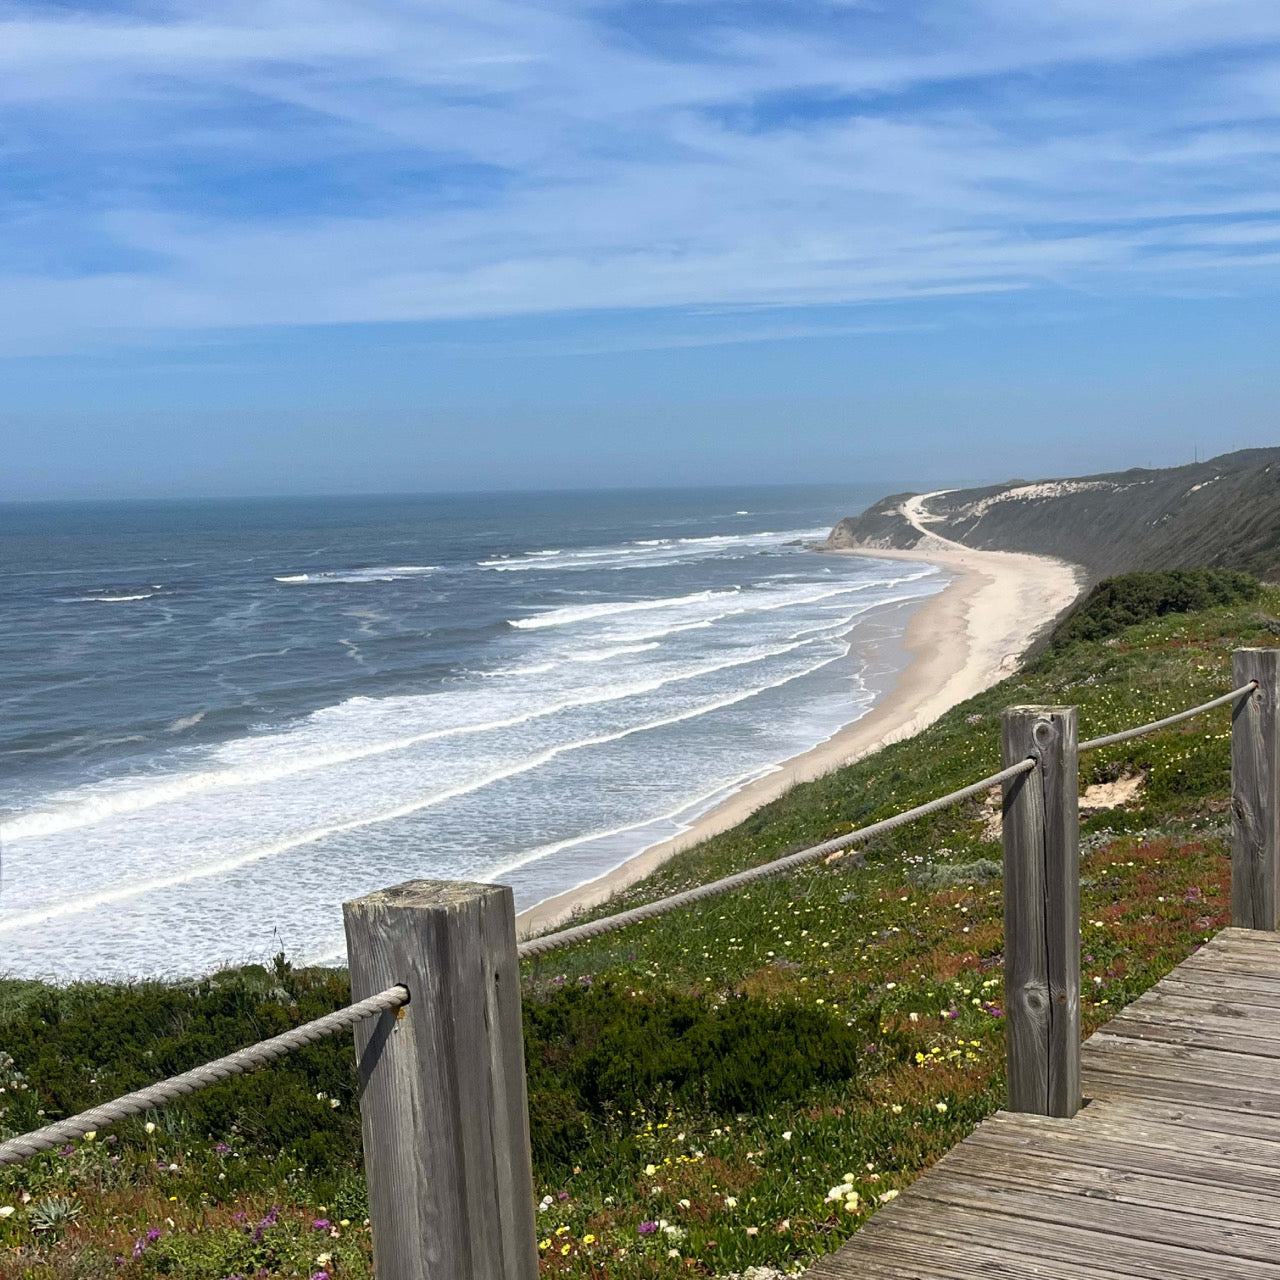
[(1124, 735), (17, 1149), (239, 1063), (610, 924)]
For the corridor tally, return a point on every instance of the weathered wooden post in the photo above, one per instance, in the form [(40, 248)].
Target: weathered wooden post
[(1255, 792), (1042, 912), (443, 1101)]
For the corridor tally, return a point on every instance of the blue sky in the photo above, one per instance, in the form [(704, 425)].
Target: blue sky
[(314, 246)]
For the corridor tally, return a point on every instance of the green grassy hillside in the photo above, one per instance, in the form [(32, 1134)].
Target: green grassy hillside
[(736, 1085)]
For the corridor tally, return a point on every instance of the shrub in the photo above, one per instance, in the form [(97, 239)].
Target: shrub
[(1130, 598), (592, 1052)]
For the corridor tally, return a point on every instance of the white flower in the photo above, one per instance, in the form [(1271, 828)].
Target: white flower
[(6, 1211), (650, 1170), (90, 1135), (939, 1106), (786, 1137), (673, 1253), (731, 1202), (684, 1204), (886, 1196), (150, 1126)]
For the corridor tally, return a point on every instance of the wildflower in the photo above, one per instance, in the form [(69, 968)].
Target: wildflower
[(753, 1231), (150, 1126), (940, 1106), (544, 1204), (6, 1211), (564, 1250), (886, 1196), (647, 1228), (786, 1136), (320, 1224), (896, 1108), (650, 1170), (544, 1244), (323, 1259), (89, 1137), (684, 1204), (588, 1238), (730, 1202)]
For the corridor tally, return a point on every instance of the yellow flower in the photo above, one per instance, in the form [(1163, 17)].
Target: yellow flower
[(588, 1238), (564, 1249), (544, 1244)]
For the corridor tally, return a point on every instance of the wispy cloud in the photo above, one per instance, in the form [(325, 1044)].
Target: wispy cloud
[(181, 167)]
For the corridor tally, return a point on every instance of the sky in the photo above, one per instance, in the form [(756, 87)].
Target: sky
[(305, 246)]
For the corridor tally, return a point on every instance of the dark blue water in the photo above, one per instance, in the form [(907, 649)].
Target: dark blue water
[(218, 720)]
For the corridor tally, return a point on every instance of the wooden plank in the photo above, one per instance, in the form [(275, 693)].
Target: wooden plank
[(1181, 1061), (1236, 990), (1213, 1004), (945, 1226), (1152, 1112), (1255, 792), (1051, 1208), (1165, 1030), (1256, 963), (443, 1104), (1168, 1191), (1042, 912), (1230, 1162), (1110, 1085)]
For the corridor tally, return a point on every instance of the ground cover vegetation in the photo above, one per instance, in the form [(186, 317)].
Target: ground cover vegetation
[(734, 1086)]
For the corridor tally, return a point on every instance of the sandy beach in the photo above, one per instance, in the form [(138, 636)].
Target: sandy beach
[(963, 640)]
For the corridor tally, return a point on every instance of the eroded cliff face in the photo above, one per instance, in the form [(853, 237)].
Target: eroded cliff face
[(1224, 513)]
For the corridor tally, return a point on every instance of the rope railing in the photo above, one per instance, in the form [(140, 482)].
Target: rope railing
[(1110, 739), (610, 924), (15, 1150)]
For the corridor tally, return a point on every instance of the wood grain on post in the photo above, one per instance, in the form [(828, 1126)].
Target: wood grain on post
[(1255, 792), (443, 1101), (1042, 912)]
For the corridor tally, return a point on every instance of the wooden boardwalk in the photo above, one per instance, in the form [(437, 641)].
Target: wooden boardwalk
[(1171, 1170)]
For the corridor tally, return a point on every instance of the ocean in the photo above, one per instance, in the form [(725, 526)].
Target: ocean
[(220, 719)]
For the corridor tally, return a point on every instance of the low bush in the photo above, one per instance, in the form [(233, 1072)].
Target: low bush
[(1131, 598), (601, 1051)]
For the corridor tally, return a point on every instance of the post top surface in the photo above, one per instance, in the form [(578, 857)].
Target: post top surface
[(428, 893), (1035, 710)]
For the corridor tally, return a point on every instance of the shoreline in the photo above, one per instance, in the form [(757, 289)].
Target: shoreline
[(959, 642)]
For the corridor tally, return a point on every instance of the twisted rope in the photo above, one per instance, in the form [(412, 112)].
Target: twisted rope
[(609, 924), (15, 1150), (1125, 734)]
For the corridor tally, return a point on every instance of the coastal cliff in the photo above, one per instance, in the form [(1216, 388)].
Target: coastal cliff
[(1224, 513)]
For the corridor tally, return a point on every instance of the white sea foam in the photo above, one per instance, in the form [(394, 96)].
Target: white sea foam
[(253, 761), (223, 866), (392, 573), (571, 615), (142, 595)]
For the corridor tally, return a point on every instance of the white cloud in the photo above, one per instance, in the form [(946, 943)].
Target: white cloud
[(289, 163)]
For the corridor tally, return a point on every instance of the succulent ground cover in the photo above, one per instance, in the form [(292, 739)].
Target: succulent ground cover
[(731, 1087)]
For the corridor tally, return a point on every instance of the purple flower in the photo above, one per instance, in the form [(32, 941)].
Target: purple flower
[(320, 1224), (153, 1235), (564, 1195), (320, 1275), (268, 1221), (67, 1150), (222, 1149), (647, 1228)]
